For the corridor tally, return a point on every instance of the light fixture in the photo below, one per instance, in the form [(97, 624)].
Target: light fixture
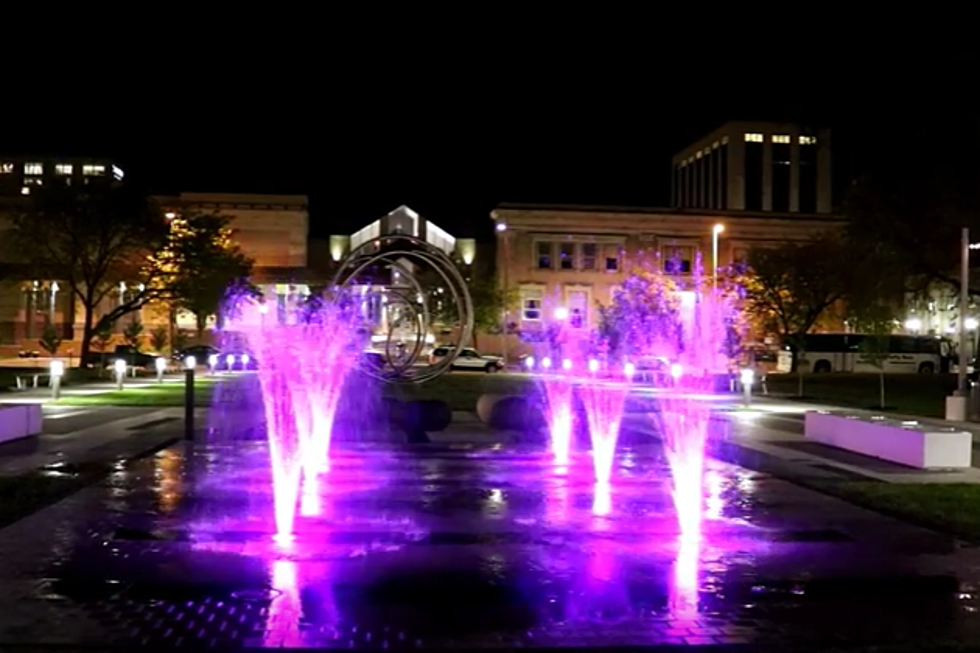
[(190, 362), (561, 313), (501, 226), (913, 324), (718, 228), (970, 324)]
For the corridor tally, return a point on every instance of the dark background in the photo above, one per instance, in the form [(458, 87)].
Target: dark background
[(452, 128)]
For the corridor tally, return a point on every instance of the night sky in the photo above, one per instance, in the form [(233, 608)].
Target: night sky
[(453, 136)]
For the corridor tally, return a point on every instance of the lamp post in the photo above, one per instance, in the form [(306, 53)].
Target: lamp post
[(190, 363), (502, 230), (964, 292), (717, 229), (161, 364), (748, 377)]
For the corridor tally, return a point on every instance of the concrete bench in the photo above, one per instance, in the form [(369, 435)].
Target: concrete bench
[(19, 421), (906, 443), (25, 381)]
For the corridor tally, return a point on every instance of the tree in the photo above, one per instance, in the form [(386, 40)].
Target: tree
[(94, 238), (207, 268), (490, 303), (159, 339), (791, 286), (50, 341), (133, 333), (101, 337), (643, 318), (876, 320)]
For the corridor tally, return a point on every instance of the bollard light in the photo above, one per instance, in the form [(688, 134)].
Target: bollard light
[(57, 371), (546, 363), (593, 366), (561, 313), (161, 364), (529, 362), (120, 366), (245, 359), (212, 362), (230, 361), (566, 364), (748, 376), (190, 362), (676, 371), (629, 370)]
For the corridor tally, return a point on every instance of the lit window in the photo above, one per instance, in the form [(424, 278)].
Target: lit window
[(724, 140), (589, 253), (566, 256), (780, 138), (33, 181), (33, 168), (544, 256), (698, 155), (6, 168), (118, 174), (93, 170), (808, 140), (678, 260), (531, 301), (753, 138), (63, 168), (578, 306), (25, 190)]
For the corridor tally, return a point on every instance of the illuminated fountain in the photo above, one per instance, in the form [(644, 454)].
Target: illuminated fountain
[(603, 401), (558, 385)]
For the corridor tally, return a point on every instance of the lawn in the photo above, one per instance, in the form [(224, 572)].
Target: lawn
[(952, 508), (166, 394), (23, 495), (914, 394), (461, 390)]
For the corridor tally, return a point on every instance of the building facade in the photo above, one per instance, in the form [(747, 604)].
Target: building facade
[(574, 258), (19, 176), (755, 166)]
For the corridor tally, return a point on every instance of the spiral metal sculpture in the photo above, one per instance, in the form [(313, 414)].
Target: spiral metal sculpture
[(403, 254)]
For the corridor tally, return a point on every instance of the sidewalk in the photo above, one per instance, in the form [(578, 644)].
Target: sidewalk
[(123, 438)]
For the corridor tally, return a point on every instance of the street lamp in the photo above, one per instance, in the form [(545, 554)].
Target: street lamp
[(501, 229), (57, 371), (718, 228), (561, 313), (161, 364), (120, 366)]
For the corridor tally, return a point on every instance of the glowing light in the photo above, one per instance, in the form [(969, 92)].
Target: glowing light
[(529, 362), (561, 313), (970, 323), (593, 365), (230, 360), (120, 366), (213, 361), (546, 363), (629, 369), (566, 364), (748, 376), (676, 371), (913, 324), (246, 359), (170, 215), (161, 364), (501, 226), (57, 368), (263, 309), (190, 362), (718, 228)]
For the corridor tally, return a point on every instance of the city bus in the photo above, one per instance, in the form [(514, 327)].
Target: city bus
[(841, 352)]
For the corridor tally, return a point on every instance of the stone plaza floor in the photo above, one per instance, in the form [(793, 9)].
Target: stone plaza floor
[(458, 547)]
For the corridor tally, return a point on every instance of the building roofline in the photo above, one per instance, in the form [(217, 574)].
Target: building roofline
[(729, 213), (232, 198)]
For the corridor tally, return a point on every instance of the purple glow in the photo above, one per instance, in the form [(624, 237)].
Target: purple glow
[(302, 372), (558, 389), (603, 401)]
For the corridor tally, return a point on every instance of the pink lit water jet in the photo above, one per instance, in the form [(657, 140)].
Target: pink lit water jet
[(558, 386), (603, 401)]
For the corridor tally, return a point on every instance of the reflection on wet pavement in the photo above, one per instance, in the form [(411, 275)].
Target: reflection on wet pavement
[(452, 547)]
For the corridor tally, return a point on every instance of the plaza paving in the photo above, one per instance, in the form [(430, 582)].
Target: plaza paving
[(469, 546)]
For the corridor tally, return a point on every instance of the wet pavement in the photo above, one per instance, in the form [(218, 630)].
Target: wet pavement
[(456, 547)]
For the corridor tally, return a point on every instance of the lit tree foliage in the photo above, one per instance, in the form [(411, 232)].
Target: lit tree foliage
[(644, 316), (205, 267), (92, 238)]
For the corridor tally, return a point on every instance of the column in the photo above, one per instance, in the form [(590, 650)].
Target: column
[(824, 182), (794, 173), (767, 172), (736, 173)]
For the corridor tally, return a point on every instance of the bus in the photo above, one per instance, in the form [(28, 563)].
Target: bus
[(841, 352)]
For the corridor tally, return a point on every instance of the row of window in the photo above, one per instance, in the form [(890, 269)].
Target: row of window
[(589, 257), (780, 138), (576, 308), (37, 169)]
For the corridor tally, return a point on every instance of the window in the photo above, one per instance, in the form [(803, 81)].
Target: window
[(578, 307), (6, 168), (93, 170), (753, 138), (566, 256), (781, 177), (531, 300), (808, 140), (117, 173), (780, 138), (544, 256), (63, 168), (678, 259), (612, 258), (589, 253), (33, 168), (33, 181)]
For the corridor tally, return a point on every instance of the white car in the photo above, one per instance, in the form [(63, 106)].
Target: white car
[(468, 359)]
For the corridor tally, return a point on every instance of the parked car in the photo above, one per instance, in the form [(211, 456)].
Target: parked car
[(468, 359)]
